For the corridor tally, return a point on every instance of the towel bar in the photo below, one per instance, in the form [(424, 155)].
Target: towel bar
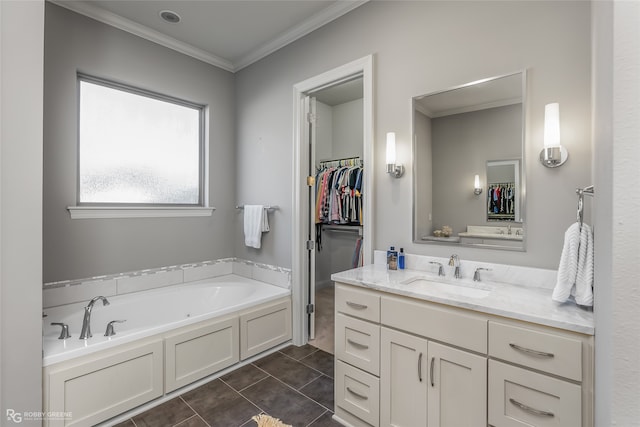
[(271, 208)]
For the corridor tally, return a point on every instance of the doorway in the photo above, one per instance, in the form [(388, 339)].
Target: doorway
[(324, 96)]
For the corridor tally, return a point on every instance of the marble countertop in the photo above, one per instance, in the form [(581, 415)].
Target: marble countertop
[(531, 304)]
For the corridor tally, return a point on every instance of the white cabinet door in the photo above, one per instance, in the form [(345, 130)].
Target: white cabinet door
[(457, 395), (403, 379), (195, 352)]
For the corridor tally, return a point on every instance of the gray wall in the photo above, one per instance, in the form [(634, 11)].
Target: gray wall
[(616, 132), (90, 247), (347, 129), (21, 55), (422, 47), (461, 146)]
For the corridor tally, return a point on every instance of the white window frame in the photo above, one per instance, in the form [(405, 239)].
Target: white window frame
[(140, 210)]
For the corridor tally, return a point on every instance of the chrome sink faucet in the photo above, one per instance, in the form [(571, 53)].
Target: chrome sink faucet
[(86, 320), (454, 261), (476, 274), (440, 267)]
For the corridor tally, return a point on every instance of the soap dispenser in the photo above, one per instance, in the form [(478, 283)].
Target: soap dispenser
[(392, 258)]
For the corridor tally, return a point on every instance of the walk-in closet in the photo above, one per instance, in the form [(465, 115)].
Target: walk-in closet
[(339, 192)]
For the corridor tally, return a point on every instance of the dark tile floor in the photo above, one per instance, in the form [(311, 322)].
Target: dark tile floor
[(294, 384)]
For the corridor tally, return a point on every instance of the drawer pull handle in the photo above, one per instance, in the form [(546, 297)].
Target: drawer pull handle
[(529, 351), (357, 344), (420, 367), (356, 305), (355, 393), (530, 409), (433, 361)]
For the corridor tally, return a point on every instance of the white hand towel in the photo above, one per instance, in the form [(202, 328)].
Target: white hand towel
[(575, 272), (255, 222), (584, 278)]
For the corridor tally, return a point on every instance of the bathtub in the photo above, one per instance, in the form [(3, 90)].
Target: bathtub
[(150, 313)]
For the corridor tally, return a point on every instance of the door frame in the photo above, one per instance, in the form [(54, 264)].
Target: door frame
[(300, 214)]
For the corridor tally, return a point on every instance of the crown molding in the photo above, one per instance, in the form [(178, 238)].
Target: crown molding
[(321, 18), (325, 16), (124, 24)]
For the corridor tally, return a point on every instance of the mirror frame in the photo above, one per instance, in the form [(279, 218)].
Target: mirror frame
[(523, 172)]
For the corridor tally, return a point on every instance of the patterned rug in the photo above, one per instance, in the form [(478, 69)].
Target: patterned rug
[(265, 420)]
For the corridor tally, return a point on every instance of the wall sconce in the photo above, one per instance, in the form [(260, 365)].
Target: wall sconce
[(395, 170), (477, 190), (553, 154)]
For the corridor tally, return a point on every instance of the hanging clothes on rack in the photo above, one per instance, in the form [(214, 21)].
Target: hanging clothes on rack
[(501, 201), (339, 192)]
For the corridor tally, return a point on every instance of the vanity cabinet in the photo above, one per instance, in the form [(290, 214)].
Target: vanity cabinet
[(539, 376), (425, 383), (431, 364)]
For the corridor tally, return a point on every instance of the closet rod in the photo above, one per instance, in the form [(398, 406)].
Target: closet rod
[(357, 160), (271, 208)]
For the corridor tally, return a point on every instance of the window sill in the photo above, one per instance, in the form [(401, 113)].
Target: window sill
[(88, 212)]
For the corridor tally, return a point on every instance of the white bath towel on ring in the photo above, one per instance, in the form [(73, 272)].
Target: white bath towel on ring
[(575, 272)]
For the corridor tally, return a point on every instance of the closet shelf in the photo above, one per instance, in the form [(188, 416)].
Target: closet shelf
[(343, 228)]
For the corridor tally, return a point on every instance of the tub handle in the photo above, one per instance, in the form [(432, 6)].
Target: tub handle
[(64, 332), (110, 331)]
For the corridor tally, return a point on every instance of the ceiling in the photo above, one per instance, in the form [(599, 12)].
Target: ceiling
[(230, 34)]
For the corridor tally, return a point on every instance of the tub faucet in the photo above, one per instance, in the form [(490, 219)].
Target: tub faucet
[(86, 320), (454, 261)]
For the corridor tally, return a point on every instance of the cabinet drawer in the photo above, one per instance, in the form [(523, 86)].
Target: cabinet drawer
[(518, 398), (548, 352), (358, 343), (357, 392), (460, 328), (358, 303)]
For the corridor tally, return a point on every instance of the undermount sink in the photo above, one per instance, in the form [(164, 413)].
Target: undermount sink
[(458, 289)]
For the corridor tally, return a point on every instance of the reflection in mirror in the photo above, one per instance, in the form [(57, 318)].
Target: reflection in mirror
[(503, 195), (474, 129)]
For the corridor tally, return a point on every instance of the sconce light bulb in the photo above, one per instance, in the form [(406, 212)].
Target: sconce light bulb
[(476, 185), (552, 125), (391, 148)]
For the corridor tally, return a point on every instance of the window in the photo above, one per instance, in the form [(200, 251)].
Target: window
[(138, 148)]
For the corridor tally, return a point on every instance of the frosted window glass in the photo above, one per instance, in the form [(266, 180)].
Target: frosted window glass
[(137, 150)]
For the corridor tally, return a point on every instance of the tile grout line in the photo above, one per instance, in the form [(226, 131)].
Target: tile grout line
[(251, 401), (194, 411), (192, 416), (317, 418)]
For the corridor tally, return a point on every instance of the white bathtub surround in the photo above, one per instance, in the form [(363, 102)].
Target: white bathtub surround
[(172, 337), (149, 280), (152, 312), (65, 293), (72, 291), (204, 271)]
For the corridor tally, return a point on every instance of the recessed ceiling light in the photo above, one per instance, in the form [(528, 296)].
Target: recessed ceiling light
[(170, 16)]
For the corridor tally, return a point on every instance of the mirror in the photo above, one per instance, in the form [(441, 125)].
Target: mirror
[(473, 129)]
